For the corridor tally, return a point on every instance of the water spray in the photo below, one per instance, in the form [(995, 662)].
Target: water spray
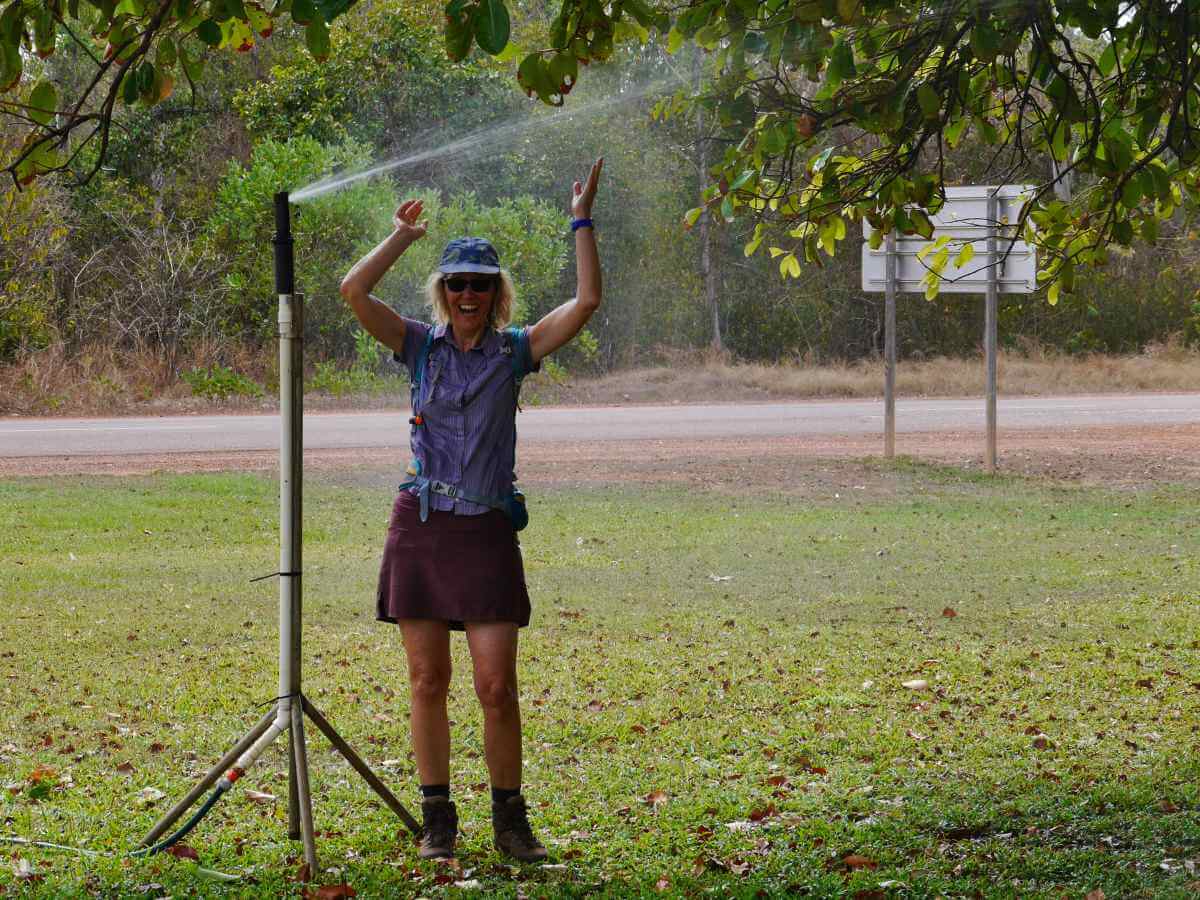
[(488, 136)]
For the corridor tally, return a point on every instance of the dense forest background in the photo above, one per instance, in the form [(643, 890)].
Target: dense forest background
[(166, 255)]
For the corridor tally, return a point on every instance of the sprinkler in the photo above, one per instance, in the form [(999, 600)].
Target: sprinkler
[(291, 706)]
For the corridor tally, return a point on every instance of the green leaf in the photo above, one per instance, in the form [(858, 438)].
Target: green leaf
[(43, 101), (166, 56), (331, 9), (316, 39), (921, 223), (954, 131), (564, 71), (985, 42), (303, 11), (965, 255), (491, 24), (210, 32), (129, 88), (1108, 59), (754, 242), (931, 104), (690, 217), (841, 63), (459, 33), (1052, 293), (45, 34), (674, 41), (135, 8)]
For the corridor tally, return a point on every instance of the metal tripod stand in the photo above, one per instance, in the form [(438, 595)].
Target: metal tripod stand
[(291, 706)]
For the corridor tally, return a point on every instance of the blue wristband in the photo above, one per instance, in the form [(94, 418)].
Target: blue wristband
[(576, 224)]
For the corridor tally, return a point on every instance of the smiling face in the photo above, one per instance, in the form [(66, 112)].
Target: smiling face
[(469, 298)]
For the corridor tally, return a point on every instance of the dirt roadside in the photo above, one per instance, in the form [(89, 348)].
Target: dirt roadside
[(1117, 457)]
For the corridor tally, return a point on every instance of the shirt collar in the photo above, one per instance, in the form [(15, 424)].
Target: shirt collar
[(490, 343)]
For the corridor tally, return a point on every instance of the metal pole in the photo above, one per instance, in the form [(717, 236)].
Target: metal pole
[(889, 349), (989, 327), (300, 754)]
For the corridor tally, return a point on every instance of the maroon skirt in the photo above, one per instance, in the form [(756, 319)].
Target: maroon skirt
[(451, 568)]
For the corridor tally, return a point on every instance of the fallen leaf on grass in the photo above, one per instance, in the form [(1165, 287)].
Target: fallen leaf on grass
[(738, 866), (1097, 894), (719, 578), (851, 862), (1041, 742), (260, 797), (125, 768), (183, 851), (917, 684), (332, 892), (149, 795), (42, 775), (757, 815), (24, 871), (949, 613), (656, 798), (1168, 807)]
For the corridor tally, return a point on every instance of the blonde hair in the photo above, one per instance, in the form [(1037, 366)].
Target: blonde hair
[(502, 306)]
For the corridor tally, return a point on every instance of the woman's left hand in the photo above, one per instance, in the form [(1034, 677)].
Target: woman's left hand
[(583, 194)]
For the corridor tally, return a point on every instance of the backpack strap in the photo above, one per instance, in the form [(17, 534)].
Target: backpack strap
[(516, 347), (419, 369)]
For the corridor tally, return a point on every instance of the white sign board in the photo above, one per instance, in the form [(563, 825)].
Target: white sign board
[(963, 219)]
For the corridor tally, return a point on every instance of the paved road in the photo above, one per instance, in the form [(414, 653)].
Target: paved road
[(185, 434)]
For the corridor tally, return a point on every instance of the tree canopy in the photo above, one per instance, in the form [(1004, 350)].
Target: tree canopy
[(833, 111)]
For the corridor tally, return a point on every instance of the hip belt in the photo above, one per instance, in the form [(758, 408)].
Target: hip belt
[(512, 506)]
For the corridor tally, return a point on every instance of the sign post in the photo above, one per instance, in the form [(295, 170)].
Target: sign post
[(889, 351), (978, 216)]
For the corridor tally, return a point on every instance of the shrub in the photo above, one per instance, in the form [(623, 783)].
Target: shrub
[(220, 383)]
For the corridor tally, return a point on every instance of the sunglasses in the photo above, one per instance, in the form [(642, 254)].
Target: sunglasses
[(478, 285)]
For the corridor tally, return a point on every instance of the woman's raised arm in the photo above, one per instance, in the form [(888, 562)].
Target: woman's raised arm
[(376, 316), (560, 325)]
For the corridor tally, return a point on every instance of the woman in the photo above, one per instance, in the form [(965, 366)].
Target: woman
[(449, 561)]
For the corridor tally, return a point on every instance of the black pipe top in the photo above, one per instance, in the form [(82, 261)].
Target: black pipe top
[(285, 267), (283, 217)]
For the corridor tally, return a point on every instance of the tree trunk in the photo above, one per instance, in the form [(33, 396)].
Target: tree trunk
[(708, 267)]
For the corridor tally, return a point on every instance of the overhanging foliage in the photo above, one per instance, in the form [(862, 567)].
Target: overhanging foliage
[(836, 110)]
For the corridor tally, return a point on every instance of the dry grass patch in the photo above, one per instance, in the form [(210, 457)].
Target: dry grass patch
[(700, 379), (103, 380)]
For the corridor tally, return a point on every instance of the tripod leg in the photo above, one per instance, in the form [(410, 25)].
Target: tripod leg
[(361, 767), (293, 797), (209, 780), (304, 798)]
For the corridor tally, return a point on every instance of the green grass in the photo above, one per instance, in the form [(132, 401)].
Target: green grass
[(744, 655)]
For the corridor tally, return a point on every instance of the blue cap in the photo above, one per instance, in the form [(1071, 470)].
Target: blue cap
[(469, 254)]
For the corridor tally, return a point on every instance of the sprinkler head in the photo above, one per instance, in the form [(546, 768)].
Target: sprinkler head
[(285, 267)]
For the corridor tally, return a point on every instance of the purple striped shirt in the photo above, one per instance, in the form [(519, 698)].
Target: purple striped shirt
[(469, 409)]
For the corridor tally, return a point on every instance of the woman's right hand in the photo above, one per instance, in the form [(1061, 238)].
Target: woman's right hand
[(405, 221)]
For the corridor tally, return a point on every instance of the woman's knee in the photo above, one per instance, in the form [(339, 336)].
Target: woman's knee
[(429, 683), (496, 690)]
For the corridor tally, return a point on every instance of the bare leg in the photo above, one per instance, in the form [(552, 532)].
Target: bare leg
[(427, 645), (493, 648)]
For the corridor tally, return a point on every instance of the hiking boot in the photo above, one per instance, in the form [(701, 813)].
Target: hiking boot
[(439, 828), (514, 837)]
